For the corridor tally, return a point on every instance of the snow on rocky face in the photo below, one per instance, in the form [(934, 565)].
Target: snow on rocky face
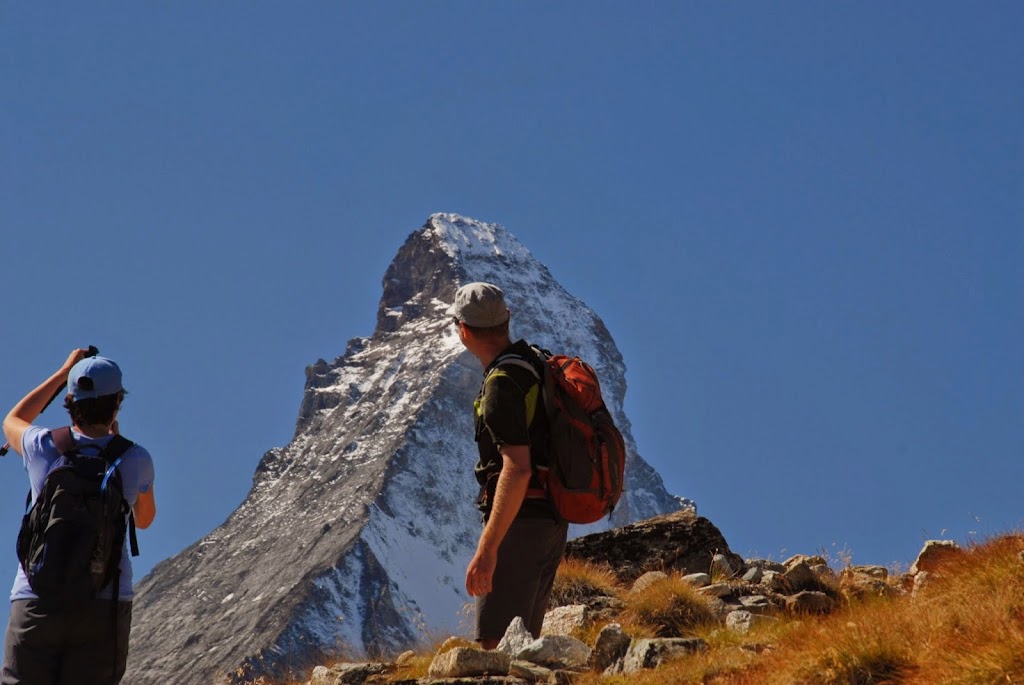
[(355, 537)]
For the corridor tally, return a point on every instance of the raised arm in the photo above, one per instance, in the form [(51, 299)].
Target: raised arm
[(32, 405)]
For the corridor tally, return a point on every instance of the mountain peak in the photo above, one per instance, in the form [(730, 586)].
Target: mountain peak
[(356, 534)]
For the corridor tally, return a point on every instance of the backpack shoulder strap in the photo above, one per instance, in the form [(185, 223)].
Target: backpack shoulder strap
[(116, 448), (63, 440)]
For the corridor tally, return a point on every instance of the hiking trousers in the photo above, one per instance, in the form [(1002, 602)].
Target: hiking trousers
[(49, 645), (528, 558)]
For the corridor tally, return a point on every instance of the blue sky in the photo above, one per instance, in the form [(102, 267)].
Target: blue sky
[(802, 223)]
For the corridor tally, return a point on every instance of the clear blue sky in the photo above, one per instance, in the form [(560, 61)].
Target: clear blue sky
[(802, 223)]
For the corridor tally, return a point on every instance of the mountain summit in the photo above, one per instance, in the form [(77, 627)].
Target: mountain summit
[(355, 536)]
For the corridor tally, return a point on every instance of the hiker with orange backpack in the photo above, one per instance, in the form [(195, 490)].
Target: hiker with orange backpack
[(523, 539), (90, 487)]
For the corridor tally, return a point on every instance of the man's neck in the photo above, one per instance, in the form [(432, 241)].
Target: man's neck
[(489, 352), (93, 431)]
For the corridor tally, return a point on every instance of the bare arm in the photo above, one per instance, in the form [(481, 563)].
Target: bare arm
[(144, 508), (32, 405), (509, 494)]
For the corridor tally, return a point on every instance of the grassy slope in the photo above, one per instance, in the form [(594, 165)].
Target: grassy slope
[(966, 627)]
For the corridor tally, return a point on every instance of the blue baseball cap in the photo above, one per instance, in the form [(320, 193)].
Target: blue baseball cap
[(94, 377)]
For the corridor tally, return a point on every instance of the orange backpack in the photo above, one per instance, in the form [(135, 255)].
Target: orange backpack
[(586, 452)]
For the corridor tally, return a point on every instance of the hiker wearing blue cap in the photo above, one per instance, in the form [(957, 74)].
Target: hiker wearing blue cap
[(90, 487)]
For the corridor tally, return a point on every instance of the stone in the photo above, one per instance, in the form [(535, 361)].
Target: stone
[(866, 581), (921, 579), (718, 607), (765, 565), (347, 673), (680, 541), (463, 662), (611, 646), (530, 672), (758, 604), (516, 637), (698, 579), (651, 653), (799, 576), (933, 554), (721, 568), (872, 571), (646, 580), (404, 658), (565, 620), (453, 642), (809, 602), (816, 560), (557, 652), (753, 574), (823, 571), (773, 580), (741, 621), (320, 675), (716, 590)]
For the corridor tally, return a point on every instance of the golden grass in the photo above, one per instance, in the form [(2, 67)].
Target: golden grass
[(966, 627), (577, 581), (668, 607)]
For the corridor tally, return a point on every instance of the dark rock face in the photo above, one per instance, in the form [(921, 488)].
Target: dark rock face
[(680, 541), (355, 536)]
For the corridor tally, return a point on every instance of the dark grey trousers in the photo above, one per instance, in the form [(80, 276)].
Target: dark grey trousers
[(48, 645), (527, 561)]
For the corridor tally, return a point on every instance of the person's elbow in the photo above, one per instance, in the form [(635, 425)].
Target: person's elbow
[(14, 428)]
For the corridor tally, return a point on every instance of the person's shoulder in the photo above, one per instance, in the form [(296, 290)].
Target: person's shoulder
[(138, 452), (36, 440)]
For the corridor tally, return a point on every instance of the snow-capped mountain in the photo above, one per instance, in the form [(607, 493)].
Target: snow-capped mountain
[(355, 537)]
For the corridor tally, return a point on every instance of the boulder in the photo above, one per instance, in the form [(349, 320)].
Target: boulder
[(809, 602), (741, 621), (773, 580), (347, 674), (564, 620), (721, 568), (799, 576), (556, 652), (697, 579), (516, 637), (680, 541), (934, 554), (463, 662), (646, 580), (753, 574), (654, 652), (530, 672), (611, 646)]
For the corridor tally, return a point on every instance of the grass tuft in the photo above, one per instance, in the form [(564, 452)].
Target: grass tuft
[(668, 607), (578, 581)]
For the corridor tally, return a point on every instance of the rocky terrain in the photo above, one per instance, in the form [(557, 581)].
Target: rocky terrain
[(722, 594)]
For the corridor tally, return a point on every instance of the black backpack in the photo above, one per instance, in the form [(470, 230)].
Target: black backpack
[(71, 539)]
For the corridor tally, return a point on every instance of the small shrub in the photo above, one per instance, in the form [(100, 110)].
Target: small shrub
[(670, 607), (579, 581), (871, 664)]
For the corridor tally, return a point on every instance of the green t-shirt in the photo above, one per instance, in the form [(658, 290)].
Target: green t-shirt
[(510, 411)]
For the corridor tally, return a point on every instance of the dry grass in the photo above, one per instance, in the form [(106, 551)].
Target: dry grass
[(577, 581), (965, 628), (668, 607)]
